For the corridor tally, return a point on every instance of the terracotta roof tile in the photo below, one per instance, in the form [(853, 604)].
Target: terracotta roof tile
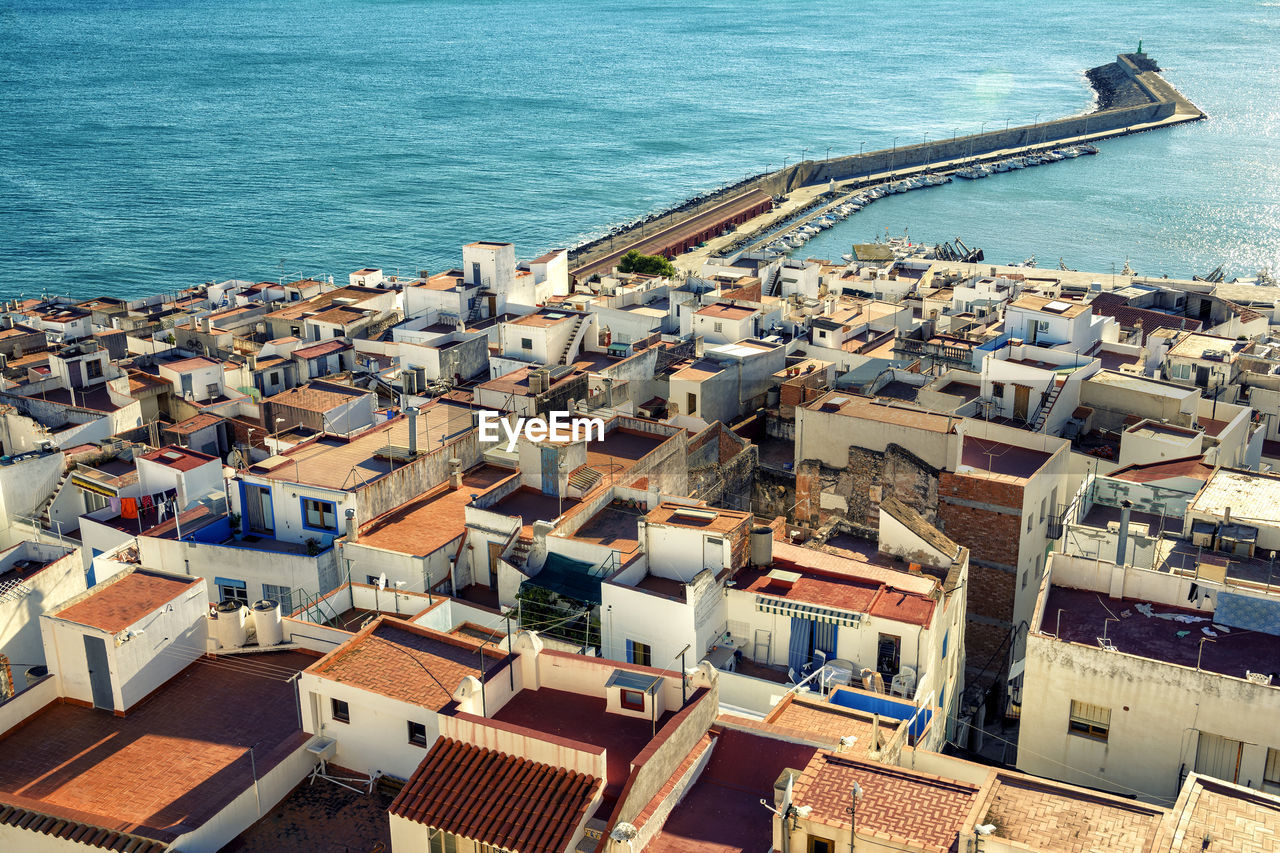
[(926, 812), (497, 799), (120, 602), (404, 661)]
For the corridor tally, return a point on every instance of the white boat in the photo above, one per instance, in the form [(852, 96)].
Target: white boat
[(1018, 163), (847, 258), (1003, 166)]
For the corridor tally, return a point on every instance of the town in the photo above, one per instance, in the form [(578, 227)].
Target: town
[(898, 552)]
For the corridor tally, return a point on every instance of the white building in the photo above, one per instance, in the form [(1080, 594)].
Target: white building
[(1135, 678)]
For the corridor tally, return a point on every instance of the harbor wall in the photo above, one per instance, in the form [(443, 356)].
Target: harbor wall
[(1162, 102), (974, 146)]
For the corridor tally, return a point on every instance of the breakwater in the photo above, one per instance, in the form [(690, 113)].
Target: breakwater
[(1132, 97)]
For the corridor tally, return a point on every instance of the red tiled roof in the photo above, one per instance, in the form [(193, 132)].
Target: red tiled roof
[(908, 808), (187, 364), (1164, 469), (179, 458), (1113, 305), (728, 312), (497, 799), (196, 422), (322, 348), (118, 604), (404, 661), (82, 833)]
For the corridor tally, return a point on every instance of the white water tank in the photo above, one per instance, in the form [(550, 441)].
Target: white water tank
[(268, 622), (761, 549), (229, 628)]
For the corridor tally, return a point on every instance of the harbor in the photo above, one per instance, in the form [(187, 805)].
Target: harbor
[(1132, 96)]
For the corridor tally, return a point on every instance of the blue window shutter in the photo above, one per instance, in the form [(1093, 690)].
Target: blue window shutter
[(631, 652), (945, 638)]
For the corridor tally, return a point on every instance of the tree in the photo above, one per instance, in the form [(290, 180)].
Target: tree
[(633, 261)]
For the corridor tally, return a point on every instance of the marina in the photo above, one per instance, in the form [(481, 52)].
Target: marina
[(812, 191)]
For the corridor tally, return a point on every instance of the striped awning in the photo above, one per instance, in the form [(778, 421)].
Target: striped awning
[(91, 486), (800, 610)]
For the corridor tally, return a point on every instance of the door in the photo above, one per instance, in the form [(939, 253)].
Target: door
[(713, 553), (1202, 376), (1021, 398), (95, 654), (186, 385), (888, 655), (495, 554), (1218, 757), (763, 647), (258, 510)]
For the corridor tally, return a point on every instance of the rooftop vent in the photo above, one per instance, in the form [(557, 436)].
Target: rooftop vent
[(781, 579)]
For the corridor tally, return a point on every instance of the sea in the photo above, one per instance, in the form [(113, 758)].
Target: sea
[(149, 146)]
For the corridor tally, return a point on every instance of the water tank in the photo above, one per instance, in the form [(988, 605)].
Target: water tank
[(267, 621), (229, 627), (761, 546), (35, 673)]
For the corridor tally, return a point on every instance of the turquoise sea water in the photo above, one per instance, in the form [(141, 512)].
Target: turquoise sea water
[(151, 145)]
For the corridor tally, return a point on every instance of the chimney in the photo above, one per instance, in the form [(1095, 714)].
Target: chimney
[(253, 362), (1126, 507), (455, 474), (353, 532), (412, 412), (206, 325), (1226, 517)]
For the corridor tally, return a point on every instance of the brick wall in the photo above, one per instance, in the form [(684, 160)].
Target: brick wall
[(992, 536)]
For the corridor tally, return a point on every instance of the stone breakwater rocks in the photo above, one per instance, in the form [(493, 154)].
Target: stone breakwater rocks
[(1115, 88)]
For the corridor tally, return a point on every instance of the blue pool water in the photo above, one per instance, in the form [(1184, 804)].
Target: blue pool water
[(151, 145)]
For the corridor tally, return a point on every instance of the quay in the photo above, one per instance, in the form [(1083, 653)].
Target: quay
[(1134, 99)]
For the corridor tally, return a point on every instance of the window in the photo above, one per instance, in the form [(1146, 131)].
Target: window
[(371, 580), (1030, 521), (417, 734), (1043, 501), (341, 711), (719, 327), (444, 842), (319, 515), (639, 653), (821, 845), (93, 369), (232, 590), (1271, 775), (275, 377), (945, 637), (282, 594), (1024, 578), (997, 390), (1089, 720), (526, 343), (1219, 757), (94, 501), (1042, 325), (632, 700)]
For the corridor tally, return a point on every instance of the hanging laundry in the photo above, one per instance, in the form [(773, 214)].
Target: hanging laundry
[(146, 502), (114, 503), (129, 507)]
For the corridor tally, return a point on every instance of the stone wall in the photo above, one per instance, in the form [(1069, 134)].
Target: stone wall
[(854, 492)]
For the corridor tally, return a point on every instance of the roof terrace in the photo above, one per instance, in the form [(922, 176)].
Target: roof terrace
[(1159, 632), (173, 762)]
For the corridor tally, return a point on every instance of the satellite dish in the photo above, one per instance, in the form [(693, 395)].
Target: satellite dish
[(382, 581)]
